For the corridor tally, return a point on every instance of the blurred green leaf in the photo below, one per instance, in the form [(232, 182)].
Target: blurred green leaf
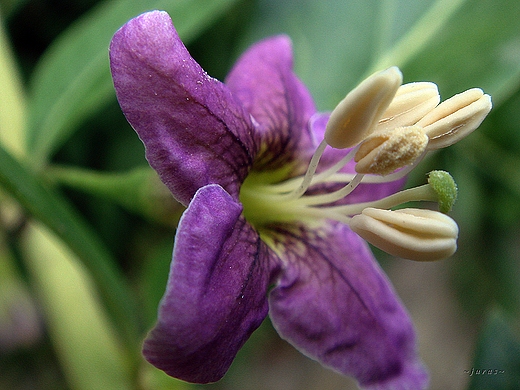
[(154, 379), (9, 6), (457, 44), (55, 212), (492, 160), (82, 336), (139, 190), (479, 46), (497, 360), (13, 105), (336, 43), (153, 274), (72, 80)]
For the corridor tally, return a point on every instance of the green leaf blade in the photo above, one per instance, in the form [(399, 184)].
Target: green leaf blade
[(58, 215), (82, 336), (457, 44), (72, 81), (479, 46)]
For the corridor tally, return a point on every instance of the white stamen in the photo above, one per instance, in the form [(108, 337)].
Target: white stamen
[(384, 152), (455, 118), (411, 102), (415, 234), (358, 113)]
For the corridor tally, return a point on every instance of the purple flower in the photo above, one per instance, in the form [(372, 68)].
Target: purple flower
[(245, 246)]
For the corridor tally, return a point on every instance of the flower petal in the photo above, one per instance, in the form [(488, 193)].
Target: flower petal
[(263, 80), (335, 304), (216, 293), (194, 130)]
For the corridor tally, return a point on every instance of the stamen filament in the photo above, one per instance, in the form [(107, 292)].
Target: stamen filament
[(290, 184), (332, 196), (323, 176), (307, 179)]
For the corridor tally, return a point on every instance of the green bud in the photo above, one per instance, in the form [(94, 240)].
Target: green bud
[(445, 187)]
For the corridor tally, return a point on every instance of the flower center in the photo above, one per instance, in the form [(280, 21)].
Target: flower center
[(386, 128), (410, 233), (315, 196)]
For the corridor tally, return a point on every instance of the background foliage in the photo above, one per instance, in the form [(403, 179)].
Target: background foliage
[(86, 229)]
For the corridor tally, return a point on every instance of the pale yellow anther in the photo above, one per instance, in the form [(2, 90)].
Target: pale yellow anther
[(382, 153), (358, 113), (411, 103), (455, 118), (414, 234)]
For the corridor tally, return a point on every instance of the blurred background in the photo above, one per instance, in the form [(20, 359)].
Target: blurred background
[(86, 230)]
